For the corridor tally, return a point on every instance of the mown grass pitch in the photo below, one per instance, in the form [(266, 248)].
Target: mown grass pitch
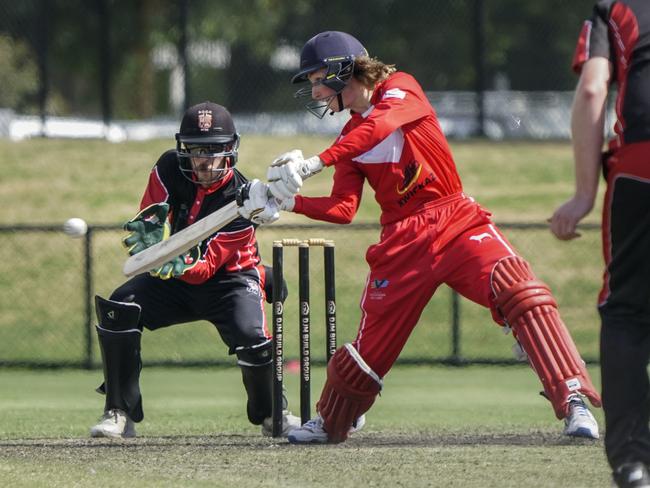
[(437, 427)]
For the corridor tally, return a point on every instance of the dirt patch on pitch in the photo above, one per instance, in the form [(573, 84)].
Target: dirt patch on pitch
[(247, 442)]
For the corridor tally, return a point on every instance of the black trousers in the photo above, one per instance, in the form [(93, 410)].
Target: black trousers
[(625, 315), (232, 302)]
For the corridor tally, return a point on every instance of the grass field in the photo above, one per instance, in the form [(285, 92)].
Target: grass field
[(48, 181), (469, 427), (431, 427), (103, 182)]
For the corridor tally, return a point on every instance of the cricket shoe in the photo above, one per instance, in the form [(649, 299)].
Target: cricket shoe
[(114, 423), (632, 475), (580, 422), (312, 432), (289, 422)]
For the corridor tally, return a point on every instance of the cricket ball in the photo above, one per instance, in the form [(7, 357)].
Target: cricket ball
[(75, 227)]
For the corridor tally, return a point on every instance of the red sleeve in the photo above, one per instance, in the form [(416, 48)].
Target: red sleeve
[(342, 204), (232, 250), (156, 192), (594, 37), (401, 102)]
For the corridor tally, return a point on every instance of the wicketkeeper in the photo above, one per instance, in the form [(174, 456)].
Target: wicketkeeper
[(222, 280), (432, 233)]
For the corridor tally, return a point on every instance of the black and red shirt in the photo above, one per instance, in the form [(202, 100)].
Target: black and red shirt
[(232, 248), (619, 30)]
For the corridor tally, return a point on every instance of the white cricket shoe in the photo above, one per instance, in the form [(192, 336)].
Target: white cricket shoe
[(580, 422), (114, 423), (312, 431), (289, 422)]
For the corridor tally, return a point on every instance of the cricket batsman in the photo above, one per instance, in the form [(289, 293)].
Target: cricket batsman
[(432, 233)]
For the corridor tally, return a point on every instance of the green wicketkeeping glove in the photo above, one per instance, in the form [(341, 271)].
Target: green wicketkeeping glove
[(178, 266), (147, 228)]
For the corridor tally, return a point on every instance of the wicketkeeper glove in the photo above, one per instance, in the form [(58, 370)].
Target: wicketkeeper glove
[(147, 228), (178, 266)]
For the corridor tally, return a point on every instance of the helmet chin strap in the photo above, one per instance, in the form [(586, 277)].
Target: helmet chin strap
[(339, 99)]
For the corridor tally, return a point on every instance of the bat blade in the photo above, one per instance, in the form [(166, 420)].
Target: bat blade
[(178, 243)]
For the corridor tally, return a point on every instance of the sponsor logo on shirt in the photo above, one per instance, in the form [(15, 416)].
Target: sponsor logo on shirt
[(394, 93), (411, 175), (416, 187)]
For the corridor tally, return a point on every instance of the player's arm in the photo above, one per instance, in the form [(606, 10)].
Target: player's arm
[(151, 224), (587, 127), (398, 107), (222, 248), (341, 205)]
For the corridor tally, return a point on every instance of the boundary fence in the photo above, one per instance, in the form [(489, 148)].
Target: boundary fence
[(86, 288)]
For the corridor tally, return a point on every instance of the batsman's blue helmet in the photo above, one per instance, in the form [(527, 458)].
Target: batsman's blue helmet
[(333, 50)]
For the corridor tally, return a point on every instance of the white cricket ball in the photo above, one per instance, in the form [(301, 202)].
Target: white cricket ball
[(75, 227)]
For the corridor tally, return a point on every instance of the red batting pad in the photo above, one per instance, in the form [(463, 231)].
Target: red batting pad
[(530, 309), (349, 392)]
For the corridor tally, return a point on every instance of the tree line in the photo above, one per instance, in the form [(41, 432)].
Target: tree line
[(73, 56)]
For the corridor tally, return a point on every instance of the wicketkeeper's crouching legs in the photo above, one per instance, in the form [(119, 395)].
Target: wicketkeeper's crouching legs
[(257, 376), (531, 311), (120, 334), (350, 390)]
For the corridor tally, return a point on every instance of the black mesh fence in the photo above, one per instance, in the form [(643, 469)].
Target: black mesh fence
[(117, 61), (47, 287)]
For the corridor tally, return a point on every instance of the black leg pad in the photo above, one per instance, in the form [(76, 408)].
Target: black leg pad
[(257, 376), (119, 334)]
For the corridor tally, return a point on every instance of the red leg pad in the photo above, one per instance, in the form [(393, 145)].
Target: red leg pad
[(349, 392), (530, 309)]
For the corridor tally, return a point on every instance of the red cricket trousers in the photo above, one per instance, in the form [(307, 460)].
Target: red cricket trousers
[(453, 241)]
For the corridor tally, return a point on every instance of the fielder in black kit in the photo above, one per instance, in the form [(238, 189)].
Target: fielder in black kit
[(222, 280), (614, 49)]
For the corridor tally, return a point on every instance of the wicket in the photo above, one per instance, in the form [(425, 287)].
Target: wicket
[(304, 321)]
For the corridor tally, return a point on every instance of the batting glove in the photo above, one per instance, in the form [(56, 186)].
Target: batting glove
[(254, 203), (147, 228), (287, 172)]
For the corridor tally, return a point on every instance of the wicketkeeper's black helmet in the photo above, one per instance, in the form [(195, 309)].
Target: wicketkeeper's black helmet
[(207, 131)]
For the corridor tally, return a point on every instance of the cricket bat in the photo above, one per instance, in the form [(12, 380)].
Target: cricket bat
[(182, 241)]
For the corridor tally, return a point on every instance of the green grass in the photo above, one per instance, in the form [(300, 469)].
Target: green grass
[(431, 427), (48, 181), (103, 182)]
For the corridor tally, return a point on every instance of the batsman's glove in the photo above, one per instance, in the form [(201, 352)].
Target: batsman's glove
[(255, 204), (178, 266), (147, 228), (287, 172)]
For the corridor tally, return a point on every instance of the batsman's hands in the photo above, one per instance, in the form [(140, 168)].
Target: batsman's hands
[(255, 204), (147, 228), (565, 219), (287, 172), (178, 266)]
